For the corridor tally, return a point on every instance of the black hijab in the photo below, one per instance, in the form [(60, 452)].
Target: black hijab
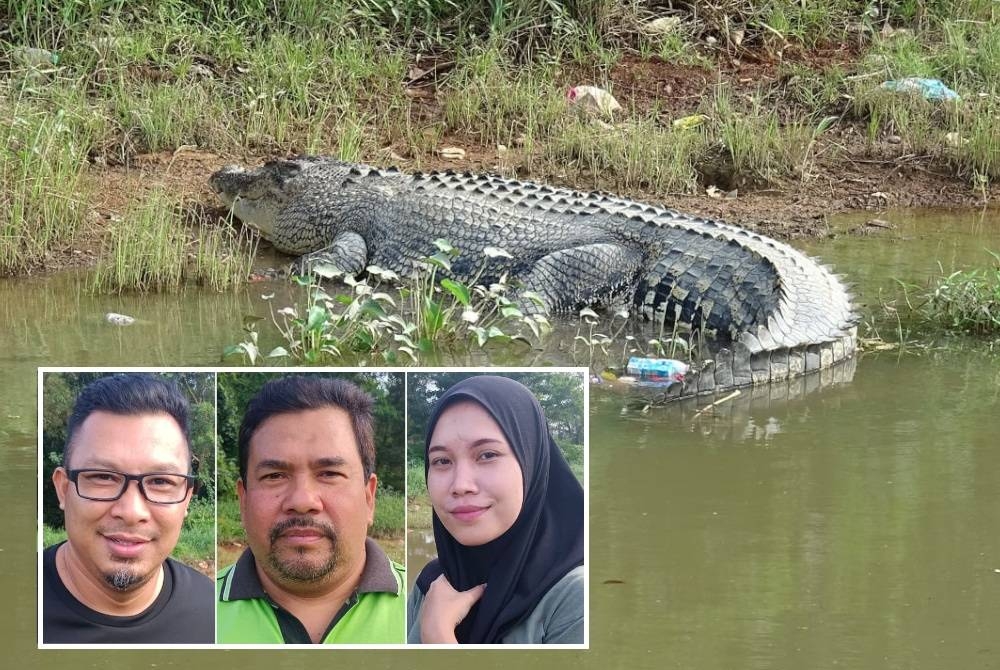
[(546, 540)]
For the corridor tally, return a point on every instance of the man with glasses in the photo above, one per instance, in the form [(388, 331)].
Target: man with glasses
[(125, 484), (307, 489)]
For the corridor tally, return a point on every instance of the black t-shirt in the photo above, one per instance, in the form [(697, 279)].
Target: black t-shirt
[(183, 612)]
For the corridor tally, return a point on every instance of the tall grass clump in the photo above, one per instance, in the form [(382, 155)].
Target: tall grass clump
[(154, 247), (966, 301), (197, 539), (630, 156), (159, 117), (42, 192), (145, 250), (965, 55), (756, 145), (223, 258), (492, 99), (390, 513)]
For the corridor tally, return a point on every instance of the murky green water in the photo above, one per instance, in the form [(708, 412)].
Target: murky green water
[(855, 525)]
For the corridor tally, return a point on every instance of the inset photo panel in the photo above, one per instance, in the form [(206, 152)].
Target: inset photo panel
[(497, 526), (127, 507), (312, 506)]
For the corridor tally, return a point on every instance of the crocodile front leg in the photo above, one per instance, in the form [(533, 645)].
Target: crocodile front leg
[(570, 278), (348, 253)]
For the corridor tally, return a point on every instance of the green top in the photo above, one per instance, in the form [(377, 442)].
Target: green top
[(556, 619), (374, 614)]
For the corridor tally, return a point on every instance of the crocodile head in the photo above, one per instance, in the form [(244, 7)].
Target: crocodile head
[(257, 196)]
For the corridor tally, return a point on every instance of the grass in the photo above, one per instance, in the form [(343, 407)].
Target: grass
[(965, 301), (360, 80), (640, 155), (52, 535), (390, 514), (42, 196), (197, 540), (145, 251), (150, 249)]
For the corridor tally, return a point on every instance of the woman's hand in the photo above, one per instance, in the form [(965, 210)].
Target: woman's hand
[(443, 609)]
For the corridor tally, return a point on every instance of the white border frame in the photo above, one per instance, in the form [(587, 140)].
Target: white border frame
[(214, 370)]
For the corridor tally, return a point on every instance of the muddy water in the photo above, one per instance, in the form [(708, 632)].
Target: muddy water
[(852, 523)]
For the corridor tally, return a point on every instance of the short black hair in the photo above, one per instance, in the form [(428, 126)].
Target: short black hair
[(129, 394), (297, 393)]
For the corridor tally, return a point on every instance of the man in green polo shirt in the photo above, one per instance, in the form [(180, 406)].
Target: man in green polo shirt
[(307, 497)]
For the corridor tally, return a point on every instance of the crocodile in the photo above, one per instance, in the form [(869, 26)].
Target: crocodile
[(776, 312)]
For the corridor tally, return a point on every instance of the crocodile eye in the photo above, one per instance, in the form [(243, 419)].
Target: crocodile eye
[(287, 170)]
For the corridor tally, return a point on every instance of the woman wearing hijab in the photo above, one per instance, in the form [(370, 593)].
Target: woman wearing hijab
[(508, 524)]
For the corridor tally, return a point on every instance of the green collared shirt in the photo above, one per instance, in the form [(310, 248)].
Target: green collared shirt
[(374, 614)]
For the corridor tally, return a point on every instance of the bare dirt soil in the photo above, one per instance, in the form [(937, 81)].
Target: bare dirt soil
[(846, 175)]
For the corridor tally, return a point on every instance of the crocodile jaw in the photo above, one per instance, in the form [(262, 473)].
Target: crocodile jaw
[(249, 195)]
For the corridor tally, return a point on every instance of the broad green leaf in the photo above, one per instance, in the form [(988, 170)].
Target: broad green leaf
[(460, 291), (317, 318)]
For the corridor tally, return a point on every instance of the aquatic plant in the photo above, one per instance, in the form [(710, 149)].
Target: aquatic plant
[(394, 324), (966, 301)]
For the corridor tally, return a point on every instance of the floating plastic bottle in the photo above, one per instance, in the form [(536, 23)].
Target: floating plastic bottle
[(656, 369)]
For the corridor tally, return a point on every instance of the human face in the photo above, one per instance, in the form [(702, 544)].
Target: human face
[(473, 478), (306, 504), (121, 544)]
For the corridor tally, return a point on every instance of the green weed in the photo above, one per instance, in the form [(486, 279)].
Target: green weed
[(145, 250), (42, 192), (405, 323), (52, 535), (223, 258), (390, 514), (756, 144), (488, 99), (150, 249), (197, 540), (637, 155), (230, 527), (965, 301)]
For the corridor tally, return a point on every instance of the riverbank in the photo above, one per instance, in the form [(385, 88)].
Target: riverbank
[(117, 119)]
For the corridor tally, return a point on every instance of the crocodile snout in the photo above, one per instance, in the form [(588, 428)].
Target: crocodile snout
[(228, 181)]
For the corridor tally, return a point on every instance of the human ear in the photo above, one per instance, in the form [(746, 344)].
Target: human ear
[(370, 488), (61, 481)]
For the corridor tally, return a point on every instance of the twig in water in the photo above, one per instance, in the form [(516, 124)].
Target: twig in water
[(717, 402)]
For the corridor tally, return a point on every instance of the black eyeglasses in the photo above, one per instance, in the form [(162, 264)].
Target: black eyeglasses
[(162, 488)]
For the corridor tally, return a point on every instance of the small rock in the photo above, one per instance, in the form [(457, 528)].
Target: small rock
[(662, 25), (35, 58), (894, 139), (955, 140), (452, 153), (119, 319), (711, 41)]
